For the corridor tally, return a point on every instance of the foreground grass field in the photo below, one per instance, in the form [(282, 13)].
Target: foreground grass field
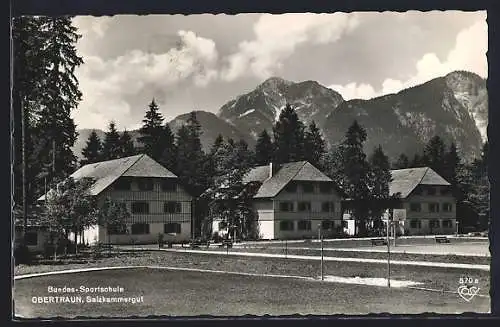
[(180, 293), (436, 278)]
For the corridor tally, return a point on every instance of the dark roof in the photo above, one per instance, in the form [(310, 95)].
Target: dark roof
[(106, 172), (293, 171), (404, 181)]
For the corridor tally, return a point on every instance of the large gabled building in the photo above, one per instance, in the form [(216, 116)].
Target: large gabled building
[(153, 195), (427, 199), (291, 201)]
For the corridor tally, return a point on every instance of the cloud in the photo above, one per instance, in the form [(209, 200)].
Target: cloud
[(277, 36), (107, 84), (469, 53), (92, 25), (355, 91)]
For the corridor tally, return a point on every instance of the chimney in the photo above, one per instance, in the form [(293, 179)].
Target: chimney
[(272, 169)]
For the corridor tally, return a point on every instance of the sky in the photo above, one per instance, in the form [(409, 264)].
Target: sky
[(200, 62)]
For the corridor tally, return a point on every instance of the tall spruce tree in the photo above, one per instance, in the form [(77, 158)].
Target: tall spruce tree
[(379, 180), (45, 86), (111, 147), (211, 161), (264, 149), (152, 132), (191, 167), (356, 171), (169, 151), (451, 166), (226, 197), (244, 156), (403, 162), (92, 150), (434, 154), (315, 145), (288, 137), (127, 147), (333, 164)]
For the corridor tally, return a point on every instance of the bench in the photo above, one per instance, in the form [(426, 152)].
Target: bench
[(379, 241), (226, 243), (197, 243), (442, 239), (105, 246)]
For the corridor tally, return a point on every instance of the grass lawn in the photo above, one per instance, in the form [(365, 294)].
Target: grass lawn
[(179, 293), (436, 278), (364, 255)]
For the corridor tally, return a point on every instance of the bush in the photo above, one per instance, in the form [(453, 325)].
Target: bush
[(22, 254), (216, 237)]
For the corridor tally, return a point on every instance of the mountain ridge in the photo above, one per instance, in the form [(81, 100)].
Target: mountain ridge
[(453, 106)]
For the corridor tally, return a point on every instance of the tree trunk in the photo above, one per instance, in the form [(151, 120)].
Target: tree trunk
[(76, 240)]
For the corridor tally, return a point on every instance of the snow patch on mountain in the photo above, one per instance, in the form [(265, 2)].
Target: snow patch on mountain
[(246, 113)]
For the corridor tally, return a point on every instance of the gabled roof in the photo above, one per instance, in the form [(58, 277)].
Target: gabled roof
[(404, 181), (293, 171), (106, 172)]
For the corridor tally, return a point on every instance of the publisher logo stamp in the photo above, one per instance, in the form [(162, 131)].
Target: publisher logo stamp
[(468, 288)]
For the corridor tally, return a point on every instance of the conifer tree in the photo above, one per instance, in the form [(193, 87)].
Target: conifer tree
[(46, 88), (169, 149), (191, 166), (152, 132), (403, 162), (379, 180), (434, 154), (111, 148), (315, 146), (92, 151), (264, 149), (288, 137), (356, 170), (127, 147)]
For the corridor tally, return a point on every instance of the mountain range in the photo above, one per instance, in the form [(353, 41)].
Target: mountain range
[(454, 107)]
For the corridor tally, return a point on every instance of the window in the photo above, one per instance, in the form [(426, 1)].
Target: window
[(122, 185), (172, 228), (172, 207), (140, 228), (431, 191), (145, 185), (140, 207), (325, 188), (291, 187), (117, 229), (447, 207), (304, 206), (434, 223), (447, 223), (327, 207), (308, 187), (327, 224), (415, 207), (286, 225), (168, 186), (31, 238), (286, 206), (304, 225), (415, 223), (434, 207)]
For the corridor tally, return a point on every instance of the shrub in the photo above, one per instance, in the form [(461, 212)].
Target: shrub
[(22, 254), (216, 237)]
